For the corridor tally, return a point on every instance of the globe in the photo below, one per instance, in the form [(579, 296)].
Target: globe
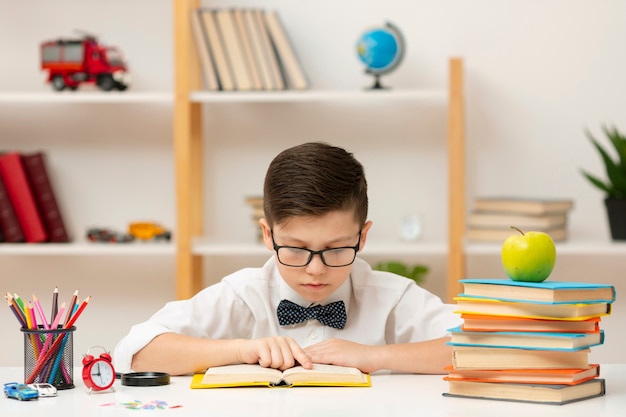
[(381, 50)]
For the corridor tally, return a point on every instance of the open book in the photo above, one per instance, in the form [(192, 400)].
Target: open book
[(245, 375)]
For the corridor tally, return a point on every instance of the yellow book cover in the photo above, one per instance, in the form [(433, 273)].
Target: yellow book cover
[(247, 375), (492, 307)]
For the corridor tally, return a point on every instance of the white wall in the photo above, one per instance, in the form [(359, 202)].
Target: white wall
[(537, 73)]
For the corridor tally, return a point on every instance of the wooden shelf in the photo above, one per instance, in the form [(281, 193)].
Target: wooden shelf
[(573, 247), (86, 97), (207, 247), (88, 249), (293, 96)]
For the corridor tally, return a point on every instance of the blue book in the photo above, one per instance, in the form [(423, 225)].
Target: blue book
[(526, 340), (551, 292)]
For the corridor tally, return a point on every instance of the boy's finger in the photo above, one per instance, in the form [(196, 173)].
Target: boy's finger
[(300, 355)]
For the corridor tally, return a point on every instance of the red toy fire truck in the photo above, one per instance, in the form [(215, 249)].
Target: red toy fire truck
[(70, 62)]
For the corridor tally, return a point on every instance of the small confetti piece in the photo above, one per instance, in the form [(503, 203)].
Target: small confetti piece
[(139, 405)]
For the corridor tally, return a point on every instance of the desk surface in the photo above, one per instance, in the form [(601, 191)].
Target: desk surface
[(389, 395)]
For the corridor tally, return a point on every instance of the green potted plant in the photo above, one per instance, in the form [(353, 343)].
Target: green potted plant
[(614, 186), (415, 272)]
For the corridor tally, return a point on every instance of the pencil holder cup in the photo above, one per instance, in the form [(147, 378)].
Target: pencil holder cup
[(49, 357)]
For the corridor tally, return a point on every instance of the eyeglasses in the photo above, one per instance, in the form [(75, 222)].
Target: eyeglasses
[(332, 257)]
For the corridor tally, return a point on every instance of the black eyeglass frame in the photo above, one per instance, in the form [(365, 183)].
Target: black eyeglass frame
[(316, 252)]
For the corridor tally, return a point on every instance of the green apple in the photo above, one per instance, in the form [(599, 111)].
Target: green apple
[(528, 256)]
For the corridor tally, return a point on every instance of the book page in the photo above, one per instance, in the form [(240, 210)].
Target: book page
[(240, 373), (324, 373)]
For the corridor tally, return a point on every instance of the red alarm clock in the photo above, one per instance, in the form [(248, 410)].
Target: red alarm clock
[(98, 373)]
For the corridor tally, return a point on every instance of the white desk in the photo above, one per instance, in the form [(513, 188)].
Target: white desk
[(389, 395)]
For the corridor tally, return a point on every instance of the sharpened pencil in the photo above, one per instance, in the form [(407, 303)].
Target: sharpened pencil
[(70, 308), (17, 314), (55, 303)]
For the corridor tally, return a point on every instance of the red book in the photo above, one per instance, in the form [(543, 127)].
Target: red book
[(41, 187), (18, 189), (9, 225)]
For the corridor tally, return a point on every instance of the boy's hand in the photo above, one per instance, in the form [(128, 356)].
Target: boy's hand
[(345, 353), (274, 352)]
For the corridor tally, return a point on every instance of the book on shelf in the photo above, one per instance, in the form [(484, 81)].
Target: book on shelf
[(537, 222), (480, 357), (546, 291), (10, 228), (269, 54), (213, 36), (525, 376), (35, 166), (488, 306), (482, 323), (495, 234), (18, 189), (244, 375), (532, 393), (534, 206), (262, 52), (203, 49), (233, 49), (292, 69), (245, 36), (526, 340)]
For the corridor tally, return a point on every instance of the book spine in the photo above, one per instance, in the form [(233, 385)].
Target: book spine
[(213, 36), (20, 194), (292, 68), (204, 51), (45, 198), (9, 224)]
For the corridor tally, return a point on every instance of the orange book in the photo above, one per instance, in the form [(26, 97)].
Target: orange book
[(526, 376), (481, 323)]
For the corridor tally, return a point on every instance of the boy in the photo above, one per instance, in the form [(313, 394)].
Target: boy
[(315, 204)]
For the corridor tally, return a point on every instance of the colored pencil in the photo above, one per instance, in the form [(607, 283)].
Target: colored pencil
[(55, 303), (42, 315), (70, 308), (78, 313), (17, 315), (57, 319)]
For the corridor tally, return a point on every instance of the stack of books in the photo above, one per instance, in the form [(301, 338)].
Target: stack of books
[(528, 341), (256, 202), (491, 218), (29, 211), (242, 49)]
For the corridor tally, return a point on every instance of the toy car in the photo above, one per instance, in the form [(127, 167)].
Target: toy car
[(20, 392), (44, 389), (149, 231), (97, 234)]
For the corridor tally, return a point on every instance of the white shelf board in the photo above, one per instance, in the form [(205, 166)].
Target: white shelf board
[(572, 247), (315, 95), (86, 97), (87, 249), (207, 247)]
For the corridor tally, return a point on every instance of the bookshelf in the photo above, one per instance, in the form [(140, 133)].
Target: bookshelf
[(190, 133)]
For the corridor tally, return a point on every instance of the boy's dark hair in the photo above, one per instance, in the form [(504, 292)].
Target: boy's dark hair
[(313, 179)]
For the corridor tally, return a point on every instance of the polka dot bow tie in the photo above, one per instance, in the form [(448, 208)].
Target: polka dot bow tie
[(332, 315)]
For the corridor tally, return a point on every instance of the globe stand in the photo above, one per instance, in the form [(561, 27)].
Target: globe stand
[(377, 84)]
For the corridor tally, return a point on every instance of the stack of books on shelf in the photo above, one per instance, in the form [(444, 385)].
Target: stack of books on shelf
[(528, 341), (242, 49), (256, 202), (491, 218), (29, 211)]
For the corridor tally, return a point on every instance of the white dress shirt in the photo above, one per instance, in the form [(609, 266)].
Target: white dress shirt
[(382, 308)]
